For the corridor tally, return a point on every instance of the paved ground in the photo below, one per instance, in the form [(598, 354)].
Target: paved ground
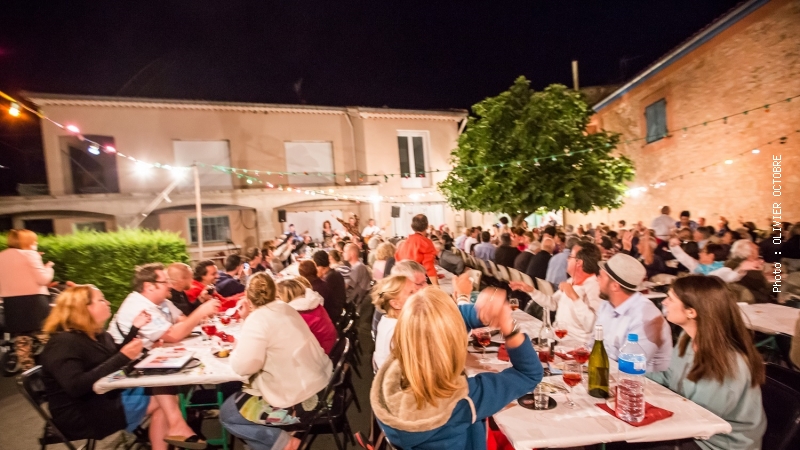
[(20, 425)]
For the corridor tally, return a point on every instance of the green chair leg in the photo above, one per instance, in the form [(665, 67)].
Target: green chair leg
[(185, 402)]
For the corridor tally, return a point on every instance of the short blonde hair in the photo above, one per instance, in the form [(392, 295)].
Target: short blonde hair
[(385, 251), (387, 290), (431, 371), (292, 288), (71, 312), (261, 289)]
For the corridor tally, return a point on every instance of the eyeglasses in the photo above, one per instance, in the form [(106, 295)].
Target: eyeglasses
[(161, 281)]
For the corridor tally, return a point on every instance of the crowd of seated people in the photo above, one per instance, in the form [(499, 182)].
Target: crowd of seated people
[(596, 274)]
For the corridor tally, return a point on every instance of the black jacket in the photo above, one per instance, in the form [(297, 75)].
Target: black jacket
[(228, 286), (522, 260), (537, 267), (505, 255), (338, 294), (72, 363), (179, 299)]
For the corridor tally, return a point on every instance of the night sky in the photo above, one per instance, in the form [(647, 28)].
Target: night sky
[(427, 55)]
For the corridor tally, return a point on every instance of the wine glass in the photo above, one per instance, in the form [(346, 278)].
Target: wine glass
[(560, 330), (209, 327), (513, 303), (572, 375), (581, 354), (484, 338)]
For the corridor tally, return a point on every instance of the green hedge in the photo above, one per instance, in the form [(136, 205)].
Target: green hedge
[(107, 260)]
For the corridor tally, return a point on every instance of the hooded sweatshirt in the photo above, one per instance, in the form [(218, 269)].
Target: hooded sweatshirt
[(456, 422), (311, 310)]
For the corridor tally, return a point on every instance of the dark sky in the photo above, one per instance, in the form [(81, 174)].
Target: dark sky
[(430, 54)]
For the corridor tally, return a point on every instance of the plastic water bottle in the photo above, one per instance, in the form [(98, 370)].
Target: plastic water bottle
[(630, 387)]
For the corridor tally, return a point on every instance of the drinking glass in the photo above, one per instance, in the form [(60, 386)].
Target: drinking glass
[(560, 330), (540, 398), (209, 327), (513, 303), (581, 354), (572, 376), (484, 338)]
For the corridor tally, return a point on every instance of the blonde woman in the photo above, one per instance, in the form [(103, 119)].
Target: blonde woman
[(389, 295), (384, 252), (79, 353), (420, 395), (285, 366), (23, 288), (298, 293)]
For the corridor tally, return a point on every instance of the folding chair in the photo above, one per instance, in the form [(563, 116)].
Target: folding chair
[(31, 387), (504, 275), (484, 268), (514, 274), (782, 406), (528, 280), (495, 271), (332, 415)]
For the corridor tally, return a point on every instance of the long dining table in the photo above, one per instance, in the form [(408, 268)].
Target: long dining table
[(587, 424)]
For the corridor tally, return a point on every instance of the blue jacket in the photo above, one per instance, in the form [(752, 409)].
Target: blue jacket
[(458, 422)]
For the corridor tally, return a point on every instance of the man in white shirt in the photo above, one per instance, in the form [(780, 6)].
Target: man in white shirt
[(151, 288), (627, 311), (462, 238), (371, 230), (578, 299), (472, 239), (663, 224)]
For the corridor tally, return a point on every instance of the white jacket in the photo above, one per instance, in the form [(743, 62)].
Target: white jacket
[(577, 315), (308, 302), (284, 361)]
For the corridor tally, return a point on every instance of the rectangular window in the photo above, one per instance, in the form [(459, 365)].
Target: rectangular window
[(90, 226), (413, 149), (215, 229), (656, 117), (313, 158), (209, 154)]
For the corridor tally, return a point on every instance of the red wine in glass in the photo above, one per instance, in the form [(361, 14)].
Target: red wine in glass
[(560, 333), (484, 340), (581, 355), (545, 356), (224, 320), (572, 379), (209, 330), (514, 306)]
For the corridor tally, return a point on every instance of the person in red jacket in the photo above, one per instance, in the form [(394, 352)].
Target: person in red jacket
[(202, 289), (419, 248), (298, 294)]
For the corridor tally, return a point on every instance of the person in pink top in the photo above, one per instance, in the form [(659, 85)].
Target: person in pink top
[(24, 279), (297, 292)]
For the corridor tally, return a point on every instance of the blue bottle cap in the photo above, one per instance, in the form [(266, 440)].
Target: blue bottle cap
[(633, 337)]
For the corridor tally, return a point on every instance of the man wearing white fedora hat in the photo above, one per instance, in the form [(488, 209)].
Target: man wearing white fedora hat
[(627, 311)]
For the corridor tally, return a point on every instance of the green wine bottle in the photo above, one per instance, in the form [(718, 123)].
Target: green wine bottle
[(598, 366)]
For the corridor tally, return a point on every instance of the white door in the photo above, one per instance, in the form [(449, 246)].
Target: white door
[(209, 153)]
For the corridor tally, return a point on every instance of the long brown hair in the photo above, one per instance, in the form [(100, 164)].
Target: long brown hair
[(719, 325)]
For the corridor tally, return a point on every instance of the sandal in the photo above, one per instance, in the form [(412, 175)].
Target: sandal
[(193, 442)]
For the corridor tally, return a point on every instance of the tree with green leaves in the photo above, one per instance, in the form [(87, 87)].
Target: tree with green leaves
[(524, 151)]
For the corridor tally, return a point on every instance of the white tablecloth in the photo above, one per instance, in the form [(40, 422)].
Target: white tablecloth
[(770, 318), (212, 370), (587, 424)]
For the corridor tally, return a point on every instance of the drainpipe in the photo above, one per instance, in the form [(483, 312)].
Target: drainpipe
[(353, 138)]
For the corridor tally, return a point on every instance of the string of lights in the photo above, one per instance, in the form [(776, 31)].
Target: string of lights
[(95, 148), (782, 139)]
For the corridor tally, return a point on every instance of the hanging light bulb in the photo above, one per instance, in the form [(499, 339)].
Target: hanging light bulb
[(14, 109), (73, 129), (110, 149), (93, 149)]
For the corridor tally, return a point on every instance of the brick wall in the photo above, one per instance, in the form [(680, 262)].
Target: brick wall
[(753, 62)]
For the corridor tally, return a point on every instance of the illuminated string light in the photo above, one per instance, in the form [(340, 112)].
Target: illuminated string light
[(14, 109), (93, 149), (73, 129)]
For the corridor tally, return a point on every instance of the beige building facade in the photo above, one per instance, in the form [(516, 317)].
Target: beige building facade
[(367, 153)]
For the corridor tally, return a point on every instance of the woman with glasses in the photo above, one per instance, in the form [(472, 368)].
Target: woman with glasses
[(79, 353)]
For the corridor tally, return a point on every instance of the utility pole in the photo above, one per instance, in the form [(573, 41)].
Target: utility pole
[(575, 74), (199, 212)]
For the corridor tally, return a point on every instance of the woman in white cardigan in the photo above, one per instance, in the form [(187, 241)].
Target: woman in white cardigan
[(285, 366), (23, 288)]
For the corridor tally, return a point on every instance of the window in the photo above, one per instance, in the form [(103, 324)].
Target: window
[(92, 173), (312, 158), (215, 229), (656, 117), (210, 153), (412, 146), (90, 226)]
